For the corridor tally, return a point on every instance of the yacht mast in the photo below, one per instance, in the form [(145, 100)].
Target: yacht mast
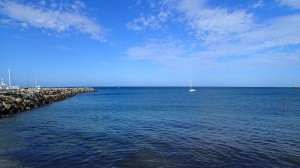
[(8, 77), (27, 81)]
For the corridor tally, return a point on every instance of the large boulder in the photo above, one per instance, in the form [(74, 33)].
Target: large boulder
[(6, 105), (19, 100)]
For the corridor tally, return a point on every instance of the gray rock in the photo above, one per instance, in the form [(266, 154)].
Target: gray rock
[(13, 101), (7, 106), (19, 100)]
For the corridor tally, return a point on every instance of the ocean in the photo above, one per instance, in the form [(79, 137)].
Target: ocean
[(158, 127)]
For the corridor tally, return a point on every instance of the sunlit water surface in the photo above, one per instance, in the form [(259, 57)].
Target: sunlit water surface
[(158, 127)]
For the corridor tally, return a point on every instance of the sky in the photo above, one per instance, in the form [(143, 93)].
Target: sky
[(151, 42)]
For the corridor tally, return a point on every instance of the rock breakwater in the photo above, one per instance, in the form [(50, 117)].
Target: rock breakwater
[(14, 101)]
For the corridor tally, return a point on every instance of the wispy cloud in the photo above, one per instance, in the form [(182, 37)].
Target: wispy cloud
[(6, 22), (215, 25), (258, 4), (142, 23), (208, 24), (157, 50), (61, 18), (223, 35), (20, 38), (294, 4), (156, 20), (63, 47), (172, 53)]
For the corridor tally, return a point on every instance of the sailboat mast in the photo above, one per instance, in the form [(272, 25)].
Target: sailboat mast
[(8, 77), (27, 81)]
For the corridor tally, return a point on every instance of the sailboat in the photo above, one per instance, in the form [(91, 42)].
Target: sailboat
[(9, 83), (37, 86), (191, 89), (3, 85)]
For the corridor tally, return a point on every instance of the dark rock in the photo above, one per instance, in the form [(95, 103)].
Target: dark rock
[(13, 101)]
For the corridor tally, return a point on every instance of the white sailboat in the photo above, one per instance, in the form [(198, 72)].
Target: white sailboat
[(37, 86), (191, 89), (3, 85)]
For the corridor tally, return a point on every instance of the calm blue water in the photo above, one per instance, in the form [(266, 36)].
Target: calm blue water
[(158, 127)]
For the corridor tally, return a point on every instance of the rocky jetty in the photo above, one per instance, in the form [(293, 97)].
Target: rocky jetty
[(14, 101)]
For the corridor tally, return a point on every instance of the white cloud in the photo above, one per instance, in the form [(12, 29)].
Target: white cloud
[(154, 21), (215, 25), (270, 42), (157, 50), (174, 54), (258, 4), (43, 2), (59, 20), (190, 7), (6, 22), (277, 32), (294, 4), (171, 53), (210, 25), (141, 23), (222, 34)]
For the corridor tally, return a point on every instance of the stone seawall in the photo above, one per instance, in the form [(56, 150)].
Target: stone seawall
[(14, 101)]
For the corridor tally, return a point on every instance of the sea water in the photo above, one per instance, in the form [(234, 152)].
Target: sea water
[(158, 127)]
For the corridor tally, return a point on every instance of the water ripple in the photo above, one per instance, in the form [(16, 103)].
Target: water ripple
[(157, 127)]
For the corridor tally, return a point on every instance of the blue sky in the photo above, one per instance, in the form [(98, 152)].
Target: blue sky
[(151, 42)]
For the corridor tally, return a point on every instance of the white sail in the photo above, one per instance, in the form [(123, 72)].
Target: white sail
[(191, 89)]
